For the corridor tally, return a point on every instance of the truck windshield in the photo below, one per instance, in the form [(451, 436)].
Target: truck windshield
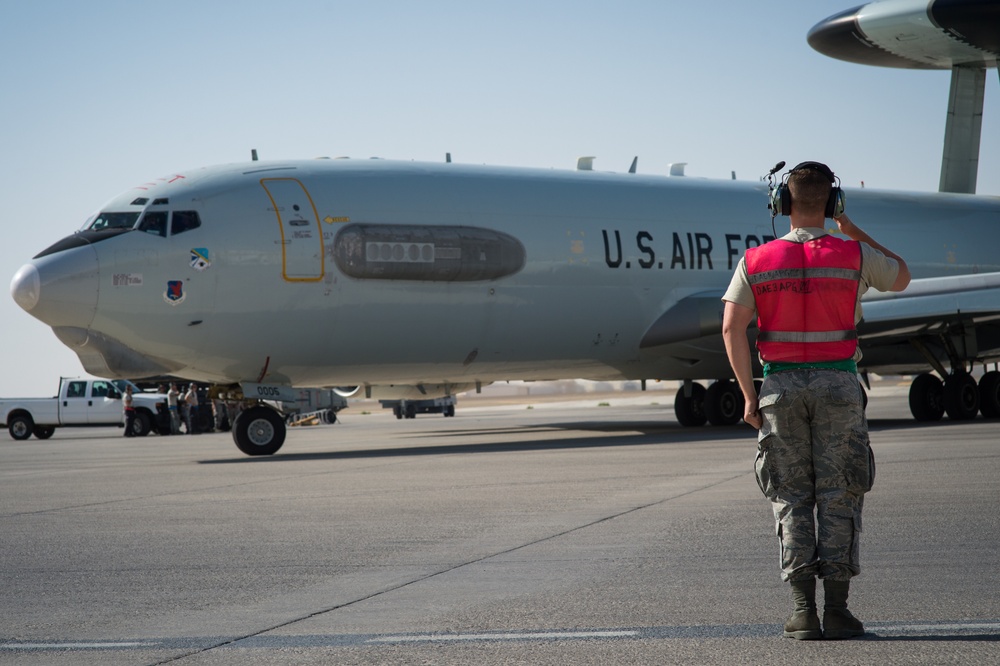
[(113, 221)]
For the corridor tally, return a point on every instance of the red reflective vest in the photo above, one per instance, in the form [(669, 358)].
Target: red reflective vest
[(806, 294)]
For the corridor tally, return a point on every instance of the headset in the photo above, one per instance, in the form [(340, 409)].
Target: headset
[(781, 197)]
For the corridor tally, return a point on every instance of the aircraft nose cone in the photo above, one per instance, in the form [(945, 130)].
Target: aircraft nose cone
[(25, 286), (59, 289)]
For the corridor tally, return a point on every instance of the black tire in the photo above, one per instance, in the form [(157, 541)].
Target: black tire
[(43, 432), (259, 431), (690, 412), (927, 398), (724, 403), (411, 411), (961, 397), (989, 395), (20, 426), (449, 411), (142, 423)]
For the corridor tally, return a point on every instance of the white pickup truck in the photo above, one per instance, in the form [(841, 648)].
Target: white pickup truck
[(81, 402)]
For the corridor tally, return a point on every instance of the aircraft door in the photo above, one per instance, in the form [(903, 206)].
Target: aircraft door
[(301, 236)]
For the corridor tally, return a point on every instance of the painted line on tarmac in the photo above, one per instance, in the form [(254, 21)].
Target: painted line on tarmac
[(943, 630), (81, 645), (515, 636)]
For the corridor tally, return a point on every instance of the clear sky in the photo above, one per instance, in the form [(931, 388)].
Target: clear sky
[(99, 96)]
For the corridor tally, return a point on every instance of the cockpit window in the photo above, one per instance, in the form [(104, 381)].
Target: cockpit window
[(154, 223), (113, 221), (184, 220)]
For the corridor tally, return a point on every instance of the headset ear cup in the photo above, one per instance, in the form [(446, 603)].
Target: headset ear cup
[(835, 203), (785, 200)]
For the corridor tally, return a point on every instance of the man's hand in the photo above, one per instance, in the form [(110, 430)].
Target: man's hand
[(845, 225), (751, 413)]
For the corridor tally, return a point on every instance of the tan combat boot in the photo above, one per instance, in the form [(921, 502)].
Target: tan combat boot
[(803, 625), (837, 620)]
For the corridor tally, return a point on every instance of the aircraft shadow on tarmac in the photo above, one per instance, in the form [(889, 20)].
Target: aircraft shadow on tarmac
[(614, 435), (617, 434)]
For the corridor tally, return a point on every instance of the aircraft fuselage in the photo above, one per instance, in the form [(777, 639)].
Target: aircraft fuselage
[(348, 272)]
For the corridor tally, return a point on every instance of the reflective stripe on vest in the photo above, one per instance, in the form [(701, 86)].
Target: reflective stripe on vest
[(806, 295)]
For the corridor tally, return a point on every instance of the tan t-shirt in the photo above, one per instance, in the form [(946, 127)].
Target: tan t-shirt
[(877, 272)]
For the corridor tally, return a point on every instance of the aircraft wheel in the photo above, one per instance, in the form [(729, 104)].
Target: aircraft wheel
[(259, 431), (690, 411), (961, 396), (989, 395), (20, 427), (43, 432), (724, 403), (927, 398)]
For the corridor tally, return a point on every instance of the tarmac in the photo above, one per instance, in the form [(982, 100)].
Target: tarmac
[(585, 529)]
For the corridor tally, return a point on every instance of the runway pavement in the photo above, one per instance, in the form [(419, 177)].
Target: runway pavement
[(567, 533)]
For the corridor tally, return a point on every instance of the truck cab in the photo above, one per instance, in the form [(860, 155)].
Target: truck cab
[(80, 402)]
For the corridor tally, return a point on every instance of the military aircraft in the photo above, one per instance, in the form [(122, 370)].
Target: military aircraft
[(417, 279)]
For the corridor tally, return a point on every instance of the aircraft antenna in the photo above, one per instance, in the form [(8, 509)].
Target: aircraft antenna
[(635, 162), (253, 154)]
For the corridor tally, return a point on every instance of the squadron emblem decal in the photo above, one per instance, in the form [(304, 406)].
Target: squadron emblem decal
[(175, 292), (199, 258)]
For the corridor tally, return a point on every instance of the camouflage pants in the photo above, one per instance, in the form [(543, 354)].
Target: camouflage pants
[(815, 465)]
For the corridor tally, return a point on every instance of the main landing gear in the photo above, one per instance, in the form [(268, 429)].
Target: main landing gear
[(721, 404), (959, 396)]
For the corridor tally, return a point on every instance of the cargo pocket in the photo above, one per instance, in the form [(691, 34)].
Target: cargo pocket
[(859, 467), (849, 428), (767, 479), (763, 472), (871, 472)]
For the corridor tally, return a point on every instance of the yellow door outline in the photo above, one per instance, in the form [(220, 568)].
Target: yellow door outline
[(294, 226)]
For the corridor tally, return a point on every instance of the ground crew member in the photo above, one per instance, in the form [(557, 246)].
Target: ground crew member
[(814, 462), (173, 396), (129, 404), (191, 415)]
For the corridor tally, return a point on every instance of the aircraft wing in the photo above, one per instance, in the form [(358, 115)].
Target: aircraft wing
[(931, 313), (930, 305)]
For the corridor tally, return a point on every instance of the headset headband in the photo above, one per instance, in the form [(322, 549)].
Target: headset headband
[(816, 166)]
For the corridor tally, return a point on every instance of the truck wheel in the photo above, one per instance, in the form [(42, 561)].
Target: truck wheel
[(142, 423), (20, 427), (259, 431), (43, 432)]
